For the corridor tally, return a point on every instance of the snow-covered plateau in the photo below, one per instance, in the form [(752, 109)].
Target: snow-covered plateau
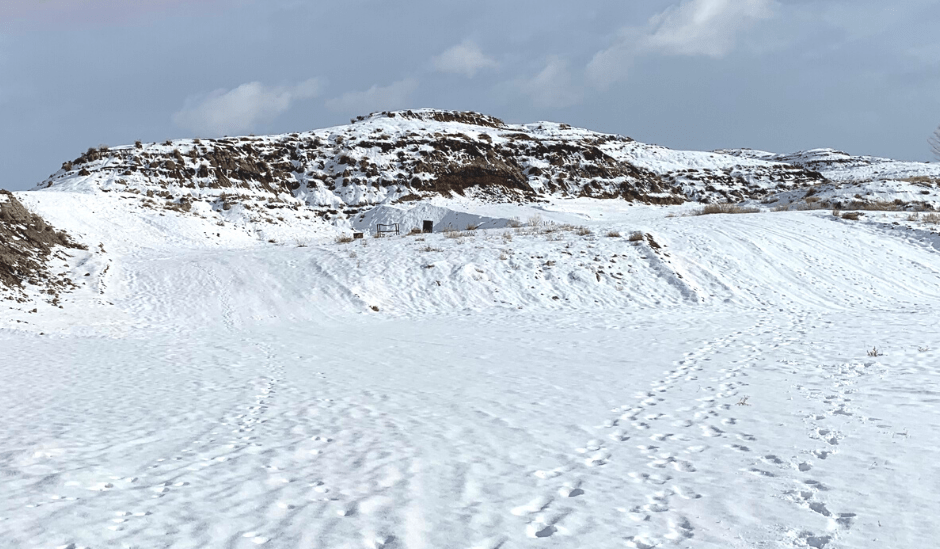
[(573, 358)]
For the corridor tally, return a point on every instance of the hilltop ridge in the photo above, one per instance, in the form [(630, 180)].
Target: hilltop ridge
[(401, 156)]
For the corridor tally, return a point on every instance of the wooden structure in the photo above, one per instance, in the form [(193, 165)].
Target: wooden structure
[(381, 228)]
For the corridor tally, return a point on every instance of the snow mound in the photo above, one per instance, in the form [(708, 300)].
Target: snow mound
[(443, 218)]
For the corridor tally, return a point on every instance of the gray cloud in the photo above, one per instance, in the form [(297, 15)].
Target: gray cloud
[(95, 12), (553, 86), (858, 75), (241, 109), (396, 95), (465, 58)]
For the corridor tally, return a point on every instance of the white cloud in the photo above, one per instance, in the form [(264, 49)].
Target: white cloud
[(694, 27), (466, 58), (241, 109), (705, 27), (553, 86), (394, 96)]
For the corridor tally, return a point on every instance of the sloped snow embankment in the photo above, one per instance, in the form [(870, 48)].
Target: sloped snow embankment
[(706, 385)]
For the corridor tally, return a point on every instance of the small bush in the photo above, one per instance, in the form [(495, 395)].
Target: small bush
[(726, 209), (415, 230), (852, 216), (583, 231), (635, 236), (344, 238), (534, 221), (514, 223), (613, 234), (472, 227)]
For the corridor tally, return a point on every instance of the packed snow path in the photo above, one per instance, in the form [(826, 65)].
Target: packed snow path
[(722, 397)]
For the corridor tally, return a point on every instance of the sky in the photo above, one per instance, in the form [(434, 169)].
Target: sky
[(862, 76)]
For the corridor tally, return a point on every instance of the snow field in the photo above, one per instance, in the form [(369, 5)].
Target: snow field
[(714, 391)]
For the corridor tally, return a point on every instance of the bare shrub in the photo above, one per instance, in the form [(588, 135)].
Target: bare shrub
[(932, 218), (344, 238), (812, 204), (472, 227), (583, 231), (635, 236), (853, 216), (534, 221), (726, 209), (875, 352), (921, 179), (875, 205), (507, 236), (613, 234), (514, 223)]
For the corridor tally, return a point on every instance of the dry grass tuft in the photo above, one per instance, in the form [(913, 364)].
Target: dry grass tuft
[(852, 216), (583, 231), (922, 179), (635, 236), (726, 209), (613, 234), (344, 238)]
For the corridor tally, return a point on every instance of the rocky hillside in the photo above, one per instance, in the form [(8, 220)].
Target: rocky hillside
[(403, 156), (27, 243)]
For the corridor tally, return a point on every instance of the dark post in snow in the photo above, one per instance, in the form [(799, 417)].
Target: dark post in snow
[(428, 226)]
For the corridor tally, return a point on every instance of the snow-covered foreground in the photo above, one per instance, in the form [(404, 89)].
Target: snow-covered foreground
[(538, 390)]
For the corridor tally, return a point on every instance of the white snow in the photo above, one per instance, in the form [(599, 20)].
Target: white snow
[(541, 386)]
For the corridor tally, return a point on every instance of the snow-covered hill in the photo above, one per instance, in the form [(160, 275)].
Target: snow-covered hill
[(407, 155)]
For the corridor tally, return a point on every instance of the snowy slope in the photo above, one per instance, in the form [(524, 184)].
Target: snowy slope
[(857, 181), (552, 384)]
